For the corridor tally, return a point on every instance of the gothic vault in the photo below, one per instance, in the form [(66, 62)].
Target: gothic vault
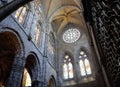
[(60, 43)]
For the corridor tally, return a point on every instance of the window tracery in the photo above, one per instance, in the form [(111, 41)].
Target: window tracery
[(21, 13), (67, 68), (84, 64), (71, 35)]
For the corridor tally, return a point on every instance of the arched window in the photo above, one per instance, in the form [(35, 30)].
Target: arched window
[(26, 79), (84, 64), (21, 13), (36, 35), (67, 68), (51, 83)]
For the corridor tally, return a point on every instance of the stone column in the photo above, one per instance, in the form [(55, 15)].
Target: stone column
[(36, 83), (14, 80), (43, 73)]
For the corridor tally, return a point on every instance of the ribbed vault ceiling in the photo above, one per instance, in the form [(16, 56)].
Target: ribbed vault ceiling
[(61, 12)]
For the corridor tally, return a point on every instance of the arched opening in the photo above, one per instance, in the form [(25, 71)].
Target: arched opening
[(30, 72), (84, 64), (51, 83), (26, 81), (9, 49), (68, 67)]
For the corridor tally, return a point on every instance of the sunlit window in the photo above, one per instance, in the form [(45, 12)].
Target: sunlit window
[(36, 37), (82, 68), (26, 79), (20, 14), (84, 64), (70, 70), (67, 68), (65, 71), (87, 66), (71, 35)]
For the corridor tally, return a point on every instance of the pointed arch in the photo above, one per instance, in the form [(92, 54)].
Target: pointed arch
[(21, 14), (50, 18), (52, 81), (32, 66), (68, 66), (84, 64), (11, 51)]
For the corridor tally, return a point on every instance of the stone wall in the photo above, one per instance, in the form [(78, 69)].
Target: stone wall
[(39, 70)]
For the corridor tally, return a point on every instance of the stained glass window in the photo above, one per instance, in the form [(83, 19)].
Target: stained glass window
[(36, 36), (87, 66), (71, 35), (65, 71), (21, 14), (84, 64), (67, 68), (70, 68), (82, 68)]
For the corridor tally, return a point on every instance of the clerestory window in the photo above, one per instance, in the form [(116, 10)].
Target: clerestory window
[(36, 36), (20, 14), (84, 64), (67, 68)]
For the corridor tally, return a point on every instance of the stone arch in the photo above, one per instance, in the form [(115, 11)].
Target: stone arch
[(11, 35), (33, 67), (11, 52), (69, 26), (70, 54), (52, 82), (82, 59), (85, 50), (67, 65)]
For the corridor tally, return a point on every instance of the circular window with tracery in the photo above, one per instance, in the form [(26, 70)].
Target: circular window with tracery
[(71, 35)]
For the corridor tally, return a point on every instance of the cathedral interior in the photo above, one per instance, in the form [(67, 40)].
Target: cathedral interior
[(61, 43)]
